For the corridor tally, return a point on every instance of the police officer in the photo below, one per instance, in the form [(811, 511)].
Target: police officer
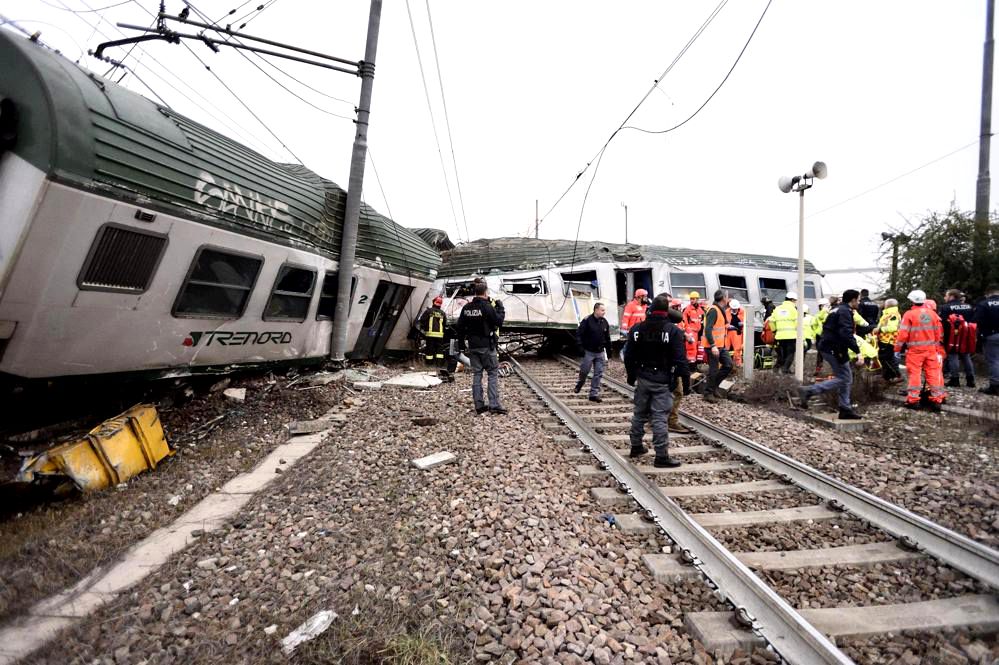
[(432, 325), (656, 357), (987, 319), (477, 326), (953, 315)]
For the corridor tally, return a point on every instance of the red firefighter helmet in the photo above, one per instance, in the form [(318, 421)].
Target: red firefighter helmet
[(438, 301)]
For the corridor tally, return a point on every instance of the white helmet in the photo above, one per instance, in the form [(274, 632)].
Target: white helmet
[(823, 301), (791, 295), (804, 308), (734, 304), (917, 296)]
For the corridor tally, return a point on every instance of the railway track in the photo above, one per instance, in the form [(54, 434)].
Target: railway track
[(779, 494)]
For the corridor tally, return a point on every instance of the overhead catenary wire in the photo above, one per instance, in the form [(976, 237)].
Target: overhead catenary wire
[(719, 87), (16, 23), (247, 136), (231, 92), (85, 11), (447, 122), (655, 84), (433, 124)]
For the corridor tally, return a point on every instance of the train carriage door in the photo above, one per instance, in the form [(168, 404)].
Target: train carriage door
[(379, 322), (628, 281)]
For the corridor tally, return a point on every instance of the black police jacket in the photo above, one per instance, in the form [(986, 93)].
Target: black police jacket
[(478, 323), (987, 316), (965, 310), (870, 311), (656, 352)]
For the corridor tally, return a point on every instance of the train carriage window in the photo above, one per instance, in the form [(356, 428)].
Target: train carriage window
[(459, 289), (772, 288), (218, 285), (584, 282), (810, 291), (121, 260), (532, 286), (682, 283), (735, 285), (328, 295), (291, 295)]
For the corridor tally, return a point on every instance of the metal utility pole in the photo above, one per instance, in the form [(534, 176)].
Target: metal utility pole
[(984, 141), (536, 222), (348, 247), (625, 206)]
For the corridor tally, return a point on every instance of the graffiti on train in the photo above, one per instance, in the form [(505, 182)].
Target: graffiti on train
[(224, 338), (227, 197)]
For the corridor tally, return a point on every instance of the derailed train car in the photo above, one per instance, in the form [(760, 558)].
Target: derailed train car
[(549, 285), (134, 240)]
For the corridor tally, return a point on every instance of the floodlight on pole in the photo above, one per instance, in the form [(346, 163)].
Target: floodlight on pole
[(800, 183)]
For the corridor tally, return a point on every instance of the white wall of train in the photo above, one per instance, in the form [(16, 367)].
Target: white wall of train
[(54, 325), (557, 298)]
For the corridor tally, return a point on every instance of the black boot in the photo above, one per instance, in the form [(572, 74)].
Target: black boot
[(665, 462), (849, 414), (954, 382), (803, 398), (991, 390), (970, 381), (638, 451), (933, 407), (579, 384)]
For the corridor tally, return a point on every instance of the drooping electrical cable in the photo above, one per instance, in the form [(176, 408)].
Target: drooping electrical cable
[(426, 91), (447, 123), (655, 84), (85, 11)]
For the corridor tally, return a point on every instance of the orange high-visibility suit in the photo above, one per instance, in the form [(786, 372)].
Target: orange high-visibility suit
[(922, 332), (693, 323), (634, 313), (735, 339)]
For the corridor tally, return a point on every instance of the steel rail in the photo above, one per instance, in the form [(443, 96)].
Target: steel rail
[(767, 613), (960, 552)]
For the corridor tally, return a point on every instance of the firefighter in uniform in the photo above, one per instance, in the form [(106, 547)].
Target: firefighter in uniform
[(432, 325), (656, 359), (887, 331), (693, 322), (715, 342), (920, 333), (784, 323), (634, 311), (959, 339)]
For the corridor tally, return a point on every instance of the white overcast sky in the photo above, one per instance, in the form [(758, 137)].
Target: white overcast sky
[(534, 89)]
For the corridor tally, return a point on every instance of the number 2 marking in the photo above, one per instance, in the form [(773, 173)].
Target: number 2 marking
[(362, 300)]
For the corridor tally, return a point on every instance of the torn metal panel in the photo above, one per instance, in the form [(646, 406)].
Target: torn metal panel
[(111, 453)]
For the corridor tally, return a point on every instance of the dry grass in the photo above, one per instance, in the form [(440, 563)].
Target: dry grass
[(388, 632)]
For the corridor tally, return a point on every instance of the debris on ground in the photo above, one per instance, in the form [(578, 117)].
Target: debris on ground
[(315, 626), (430, 461), (235, 394), (367, 385), (111, 453), (414, 380)]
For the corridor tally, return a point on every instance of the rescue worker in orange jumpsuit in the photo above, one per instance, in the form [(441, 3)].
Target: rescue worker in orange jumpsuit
[(693, 323), (735, 331), (634, 311), (921, 334)]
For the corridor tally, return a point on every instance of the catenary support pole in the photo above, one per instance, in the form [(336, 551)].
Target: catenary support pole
[(984, 143), (799, 347), (748, 340), (536, 220), (352, 213)]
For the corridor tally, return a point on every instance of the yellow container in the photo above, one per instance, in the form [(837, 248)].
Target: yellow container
[(112, 452)]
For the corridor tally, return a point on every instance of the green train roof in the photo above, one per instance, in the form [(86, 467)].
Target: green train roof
[(84, 130), (496, 255)]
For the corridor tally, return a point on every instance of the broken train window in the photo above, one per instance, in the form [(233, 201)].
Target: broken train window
[(218, 285), (291, 295)]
